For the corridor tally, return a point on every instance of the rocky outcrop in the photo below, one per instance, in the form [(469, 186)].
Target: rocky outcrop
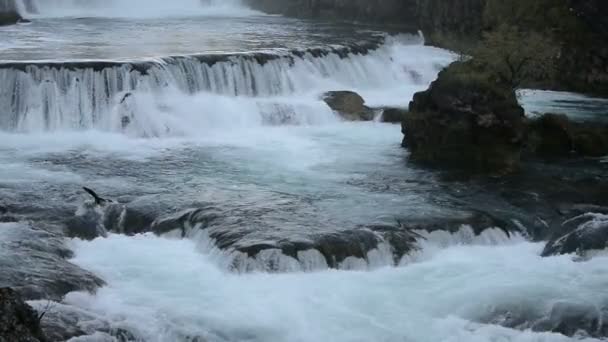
[(8, 13), (464, 121), (349, 105), (18, 321), (557, 136), (393, 115)]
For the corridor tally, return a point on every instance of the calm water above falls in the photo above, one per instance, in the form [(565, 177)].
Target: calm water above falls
[(251, 143)]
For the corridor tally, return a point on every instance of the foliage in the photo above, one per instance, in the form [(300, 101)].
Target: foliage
[(551, 17), (511, 57)]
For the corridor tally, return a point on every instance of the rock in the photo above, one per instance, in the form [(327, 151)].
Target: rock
[(8, 13), (63, 322), (580, 234), (549, 135), (9, 18), (18, 321), (349, 105), (572, 318), (554, 135), (465, 121), (34, 263), (393, 115)]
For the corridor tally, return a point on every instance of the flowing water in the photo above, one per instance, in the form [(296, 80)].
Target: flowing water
[(189, 104)]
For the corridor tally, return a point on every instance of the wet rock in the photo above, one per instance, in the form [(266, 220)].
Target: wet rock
[(393, 115), (467, 122), (349, 105), (33, 262), (95, 218), (580, 234), (573, 319), (63, 322), (554, 135), (199, 218), (18, 321), (9, 18), (550, 135), (566, 318)]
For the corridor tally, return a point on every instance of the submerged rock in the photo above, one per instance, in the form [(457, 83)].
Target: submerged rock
[(574, 319), (580, 234), (394, 115), (18, 321), (63, 322), (463, 120), (568, 318), (349, 105)]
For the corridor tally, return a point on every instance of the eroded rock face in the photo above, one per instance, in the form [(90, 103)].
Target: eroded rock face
[(464, 121), (349, 105), (18, 321)]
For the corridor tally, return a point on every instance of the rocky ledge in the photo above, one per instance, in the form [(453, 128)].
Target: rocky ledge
[(18, 321)]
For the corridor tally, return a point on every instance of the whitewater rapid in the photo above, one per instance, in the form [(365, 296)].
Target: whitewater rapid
[(167, 290)]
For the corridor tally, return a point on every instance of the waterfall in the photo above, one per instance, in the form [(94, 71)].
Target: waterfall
[(119, 8), (107, 95)]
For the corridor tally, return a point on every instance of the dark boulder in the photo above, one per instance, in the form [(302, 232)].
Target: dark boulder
[(554, 135), (464, 120), (8, 13), (549, 135), (9, 18), (18, 321), (393, 115), (580, 234), (349, 105)]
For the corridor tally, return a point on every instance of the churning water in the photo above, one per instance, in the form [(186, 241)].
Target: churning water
[(187, 105)]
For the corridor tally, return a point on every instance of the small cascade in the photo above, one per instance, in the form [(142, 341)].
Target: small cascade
[(103, 95), (425, 247)]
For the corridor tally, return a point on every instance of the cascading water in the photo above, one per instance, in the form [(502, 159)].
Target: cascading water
[(104, 95), (131, 9)]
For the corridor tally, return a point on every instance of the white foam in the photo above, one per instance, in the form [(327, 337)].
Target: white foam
[(167, 290)]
